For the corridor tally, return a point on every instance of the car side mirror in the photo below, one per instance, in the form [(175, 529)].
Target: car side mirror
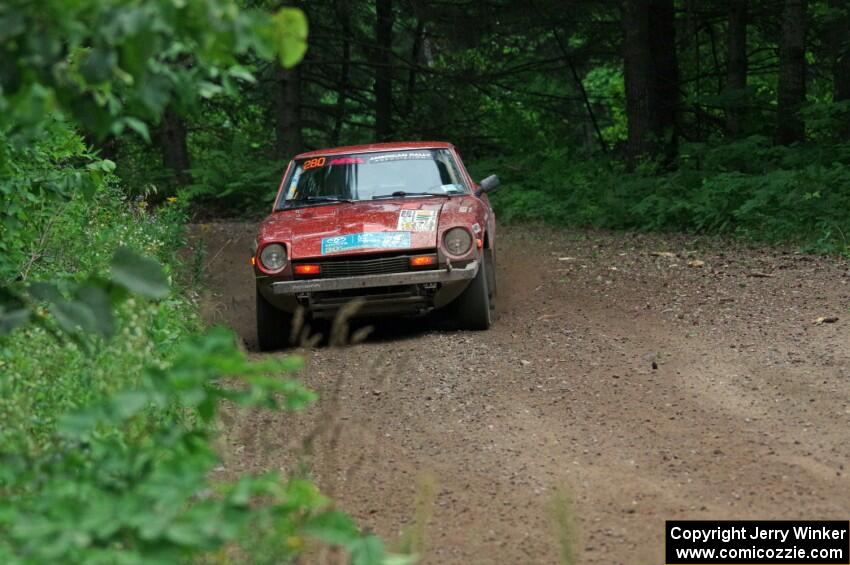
[(488, 184)]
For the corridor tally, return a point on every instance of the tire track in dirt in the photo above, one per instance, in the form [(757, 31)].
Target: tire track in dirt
[(745, 417)]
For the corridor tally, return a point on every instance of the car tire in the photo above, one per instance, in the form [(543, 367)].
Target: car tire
[(492, 282), (273, 326), (473, 305)]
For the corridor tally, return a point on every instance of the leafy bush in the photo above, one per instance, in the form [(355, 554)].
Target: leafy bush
[(43, 376), (748, 188), (35, 181), (106, 444), (128, 477), (112, 65), (227, 183), (107, 402)]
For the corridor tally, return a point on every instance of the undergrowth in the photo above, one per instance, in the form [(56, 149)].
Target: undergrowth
[(750, 189), (43, 377), (110, 392)]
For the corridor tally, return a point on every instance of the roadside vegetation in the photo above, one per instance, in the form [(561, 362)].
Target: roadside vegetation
[(749, 189), (109, 387), (121, 121)]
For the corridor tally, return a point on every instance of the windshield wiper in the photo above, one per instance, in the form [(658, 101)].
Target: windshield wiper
[(403, 194), (326, 199), (310, 200)]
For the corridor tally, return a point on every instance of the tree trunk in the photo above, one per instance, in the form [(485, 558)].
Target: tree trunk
[(383, 70), (652, 78), (736, 62), (289, 136), (792, 73), (175, 150), (840, 44), (345, 70), (639, 75), (662, 39), (415, 59)]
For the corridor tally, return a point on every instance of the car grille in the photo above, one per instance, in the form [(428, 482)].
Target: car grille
[(363, 266)]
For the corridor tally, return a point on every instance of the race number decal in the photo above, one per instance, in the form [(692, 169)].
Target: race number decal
[(417, 220), (367, 240), (314, 163)]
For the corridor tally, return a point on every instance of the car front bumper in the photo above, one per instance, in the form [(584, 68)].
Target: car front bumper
[(455, 274)]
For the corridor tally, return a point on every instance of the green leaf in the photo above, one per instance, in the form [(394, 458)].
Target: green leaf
[(367, 551), (139, 127), (97, 300), (303, 494), (126, 404), (153, 95), (11, 24), (333, 527), (77, 425), (12, 319), (105, 165), (139, 274), (138, 50), (46, 292), (73, 316), (289, 26), (208, 89), (242, 73), (98, 65), (186, 534), (87, 185)]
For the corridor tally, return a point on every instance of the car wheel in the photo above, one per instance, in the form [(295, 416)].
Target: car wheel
[(473, 305), (273, 326)]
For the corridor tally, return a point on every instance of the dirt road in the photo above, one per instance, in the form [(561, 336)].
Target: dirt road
[(468, 443)]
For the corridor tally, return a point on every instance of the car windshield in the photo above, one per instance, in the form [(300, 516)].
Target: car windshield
[(369, 176)]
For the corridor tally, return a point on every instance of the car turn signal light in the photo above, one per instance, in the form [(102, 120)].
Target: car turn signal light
[(423, 261), (308, 269)]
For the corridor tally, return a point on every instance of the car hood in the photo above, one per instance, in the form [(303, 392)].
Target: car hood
[(321, 230)]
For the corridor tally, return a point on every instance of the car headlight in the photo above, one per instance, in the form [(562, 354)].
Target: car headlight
[(457, 241), (273, 257)]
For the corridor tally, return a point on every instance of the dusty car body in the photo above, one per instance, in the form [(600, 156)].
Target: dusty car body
[(399, 227)]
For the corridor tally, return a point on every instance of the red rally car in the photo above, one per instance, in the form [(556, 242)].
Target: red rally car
[(399, 227)]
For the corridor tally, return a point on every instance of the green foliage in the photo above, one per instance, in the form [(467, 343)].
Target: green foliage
[(35, 181), (138, 274), (748, 188), (108, 404), (107, 493), (113, 65), (289, 31), (44, 374), (233, 170), (236, 180), (234, 188), (106, 444), (35, 223), (109, 68)]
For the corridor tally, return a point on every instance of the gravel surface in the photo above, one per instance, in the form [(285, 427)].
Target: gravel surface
[(628, 380)]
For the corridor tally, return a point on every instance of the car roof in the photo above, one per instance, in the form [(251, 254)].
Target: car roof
[(371, 147)]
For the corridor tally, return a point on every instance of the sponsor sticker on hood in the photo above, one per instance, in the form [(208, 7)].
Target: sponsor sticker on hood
[(367, 240), (417, 220)]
